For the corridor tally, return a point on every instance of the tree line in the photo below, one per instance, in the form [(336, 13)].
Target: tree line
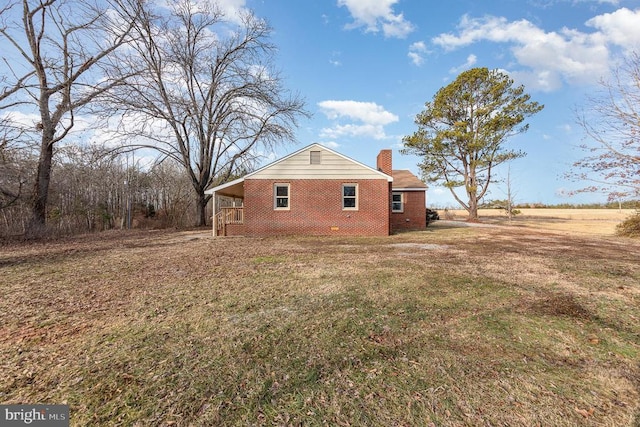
[(500, 204), (91, 190), (86, 78)]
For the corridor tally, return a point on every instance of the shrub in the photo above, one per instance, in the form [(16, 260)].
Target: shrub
[(630, 227)]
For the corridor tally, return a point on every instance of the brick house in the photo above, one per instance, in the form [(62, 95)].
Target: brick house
[(317, 191)]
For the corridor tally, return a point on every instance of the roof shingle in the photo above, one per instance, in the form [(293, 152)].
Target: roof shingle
[(405, 179)]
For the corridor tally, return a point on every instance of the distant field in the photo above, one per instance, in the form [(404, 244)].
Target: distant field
[(582, 221), (452, 326)]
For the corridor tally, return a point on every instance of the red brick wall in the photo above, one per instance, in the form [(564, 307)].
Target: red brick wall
[(235, 230), (383, 162), (316, 208), (414, 211)]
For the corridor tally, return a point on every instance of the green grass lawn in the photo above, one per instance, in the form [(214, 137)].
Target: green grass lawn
[(451, 326)]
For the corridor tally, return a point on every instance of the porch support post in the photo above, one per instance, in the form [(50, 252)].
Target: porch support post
[(215, 215)]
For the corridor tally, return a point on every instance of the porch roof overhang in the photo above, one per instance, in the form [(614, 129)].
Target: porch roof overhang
[(233, 188)]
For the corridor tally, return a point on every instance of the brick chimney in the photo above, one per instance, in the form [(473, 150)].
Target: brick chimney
[(384, 162)]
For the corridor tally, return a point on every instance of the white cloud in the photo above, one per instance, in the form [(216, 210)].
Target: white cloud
[(357, 130), (418, 47), (416, 58), (376, 15), (544, 80), (471, 61), (21, 119), (396, 26), (416, 51), (369, 117), (367, 112), (83, 130), (552, 57), (231, 7), (621, 27)]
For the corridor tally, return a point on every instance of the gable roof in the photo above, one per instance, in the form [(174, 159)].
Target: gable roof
[(286, 168), (405, 180), (333, 165)]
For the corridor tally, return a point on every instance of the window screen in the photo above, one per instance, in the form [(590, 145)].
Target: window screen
[(315, 157)]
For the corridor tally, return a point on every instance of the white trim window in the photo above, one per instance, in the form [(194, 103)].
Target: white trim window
[(281, 194), (350, 197), (397, 202)]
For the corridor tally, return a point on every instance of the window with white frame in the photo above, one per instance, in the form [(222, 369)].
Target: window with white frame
[(397, 204), (281, 196), (350, 196)]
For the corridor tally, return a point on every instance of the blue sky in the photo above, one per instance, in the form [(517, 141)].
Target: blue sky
[(366, 68)]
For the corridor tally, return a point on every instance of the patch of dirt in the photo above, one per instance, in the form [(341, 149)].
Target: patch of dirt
[(560, 305)]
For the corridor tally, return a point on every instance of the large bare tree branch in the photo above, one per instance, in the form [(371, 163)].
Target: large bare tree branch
[(208, 99), (68, 50), (611, 122)]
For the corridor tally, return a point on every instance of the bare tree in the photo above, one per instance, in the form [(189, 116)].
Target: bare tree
[(171, 194), (210, 98), (12, 174), (611, 122), (62, 53), (509, 209), (94, 189)]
